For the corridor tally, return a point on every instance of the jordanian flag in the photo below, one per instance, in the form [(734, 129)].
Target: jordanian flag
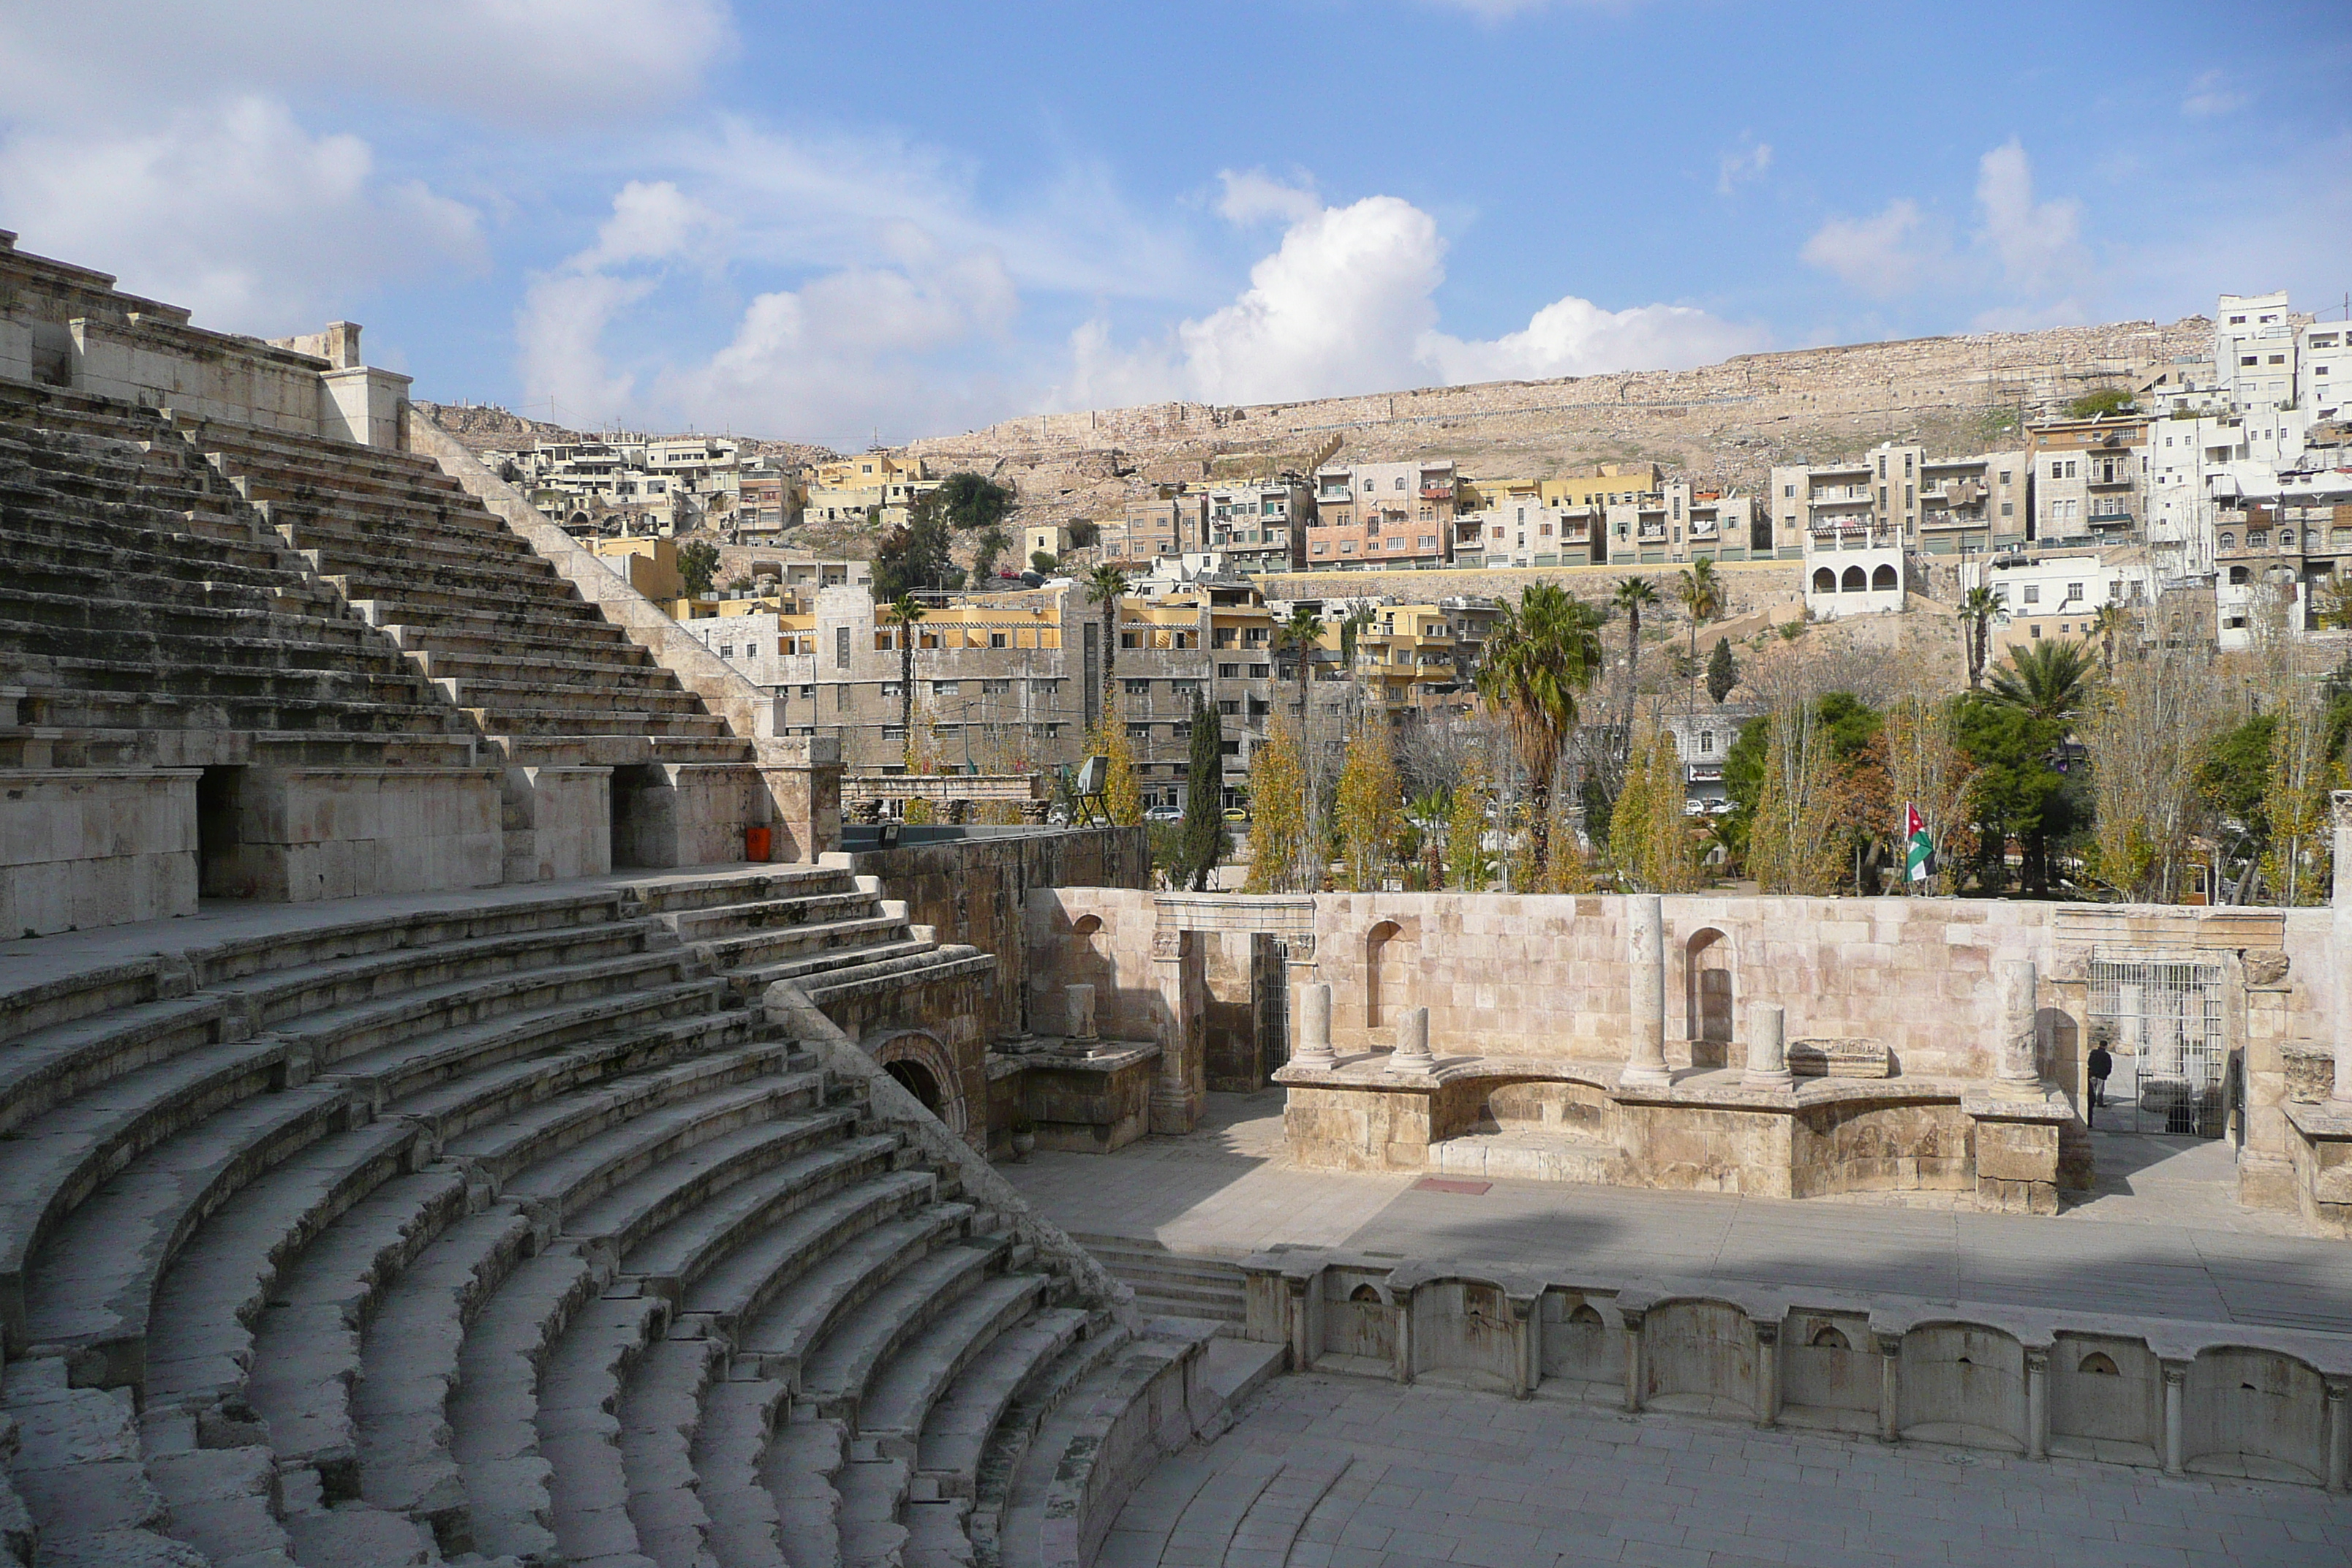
[(1918, 846)]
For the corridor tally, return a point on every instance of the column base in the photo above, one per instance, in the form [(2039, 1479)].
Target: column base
[(1175, 1114), (1642, 1076)]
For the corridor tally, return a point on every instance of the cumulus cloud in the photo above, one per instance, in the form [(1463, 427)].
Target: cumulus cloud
[(1736, 169), (233, 209), (1884, 254), (1347, 304)]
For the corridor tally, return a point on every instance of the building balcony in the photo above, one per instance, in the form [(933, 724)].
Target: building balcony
[(1437, 492)]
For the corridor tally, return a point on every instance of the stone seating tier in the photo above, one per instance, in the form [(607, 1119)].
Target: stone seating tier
[(419, 558), (144, 602), (507, 1230)]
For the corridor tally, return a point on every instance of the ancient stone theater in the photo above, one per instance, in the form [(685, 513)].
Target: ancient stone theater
[(467, 1097)]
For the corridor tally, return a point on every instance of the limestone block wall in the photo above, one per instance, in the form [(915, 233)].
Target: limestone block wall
[(1547, 977), (305, 834), (978, 891), (80, 848)]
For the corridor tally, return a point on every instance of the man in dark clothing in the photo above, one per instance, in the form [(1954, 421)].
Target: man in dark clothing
[(2101, 1064)]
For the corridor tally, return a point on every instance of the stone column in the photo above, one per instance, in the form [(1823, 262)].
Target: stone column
[(1633, 1367), (2339, 1435), (1768, 1373), (2176, 1389), (1646, 953), (1767, 1049), (1078, 1008), (1298, 977), (1890, 1387), (1176, 1097), (1411, 1053), (2037, 1403), (2015, 1073), (1314, 1047)]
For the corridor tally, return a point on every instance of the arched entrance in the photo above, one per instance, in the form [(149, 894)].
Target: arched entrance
[(920, 1065)]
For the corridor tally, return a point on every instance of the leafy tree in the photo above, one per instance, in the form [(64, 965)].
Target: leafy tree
[(915, 554), (1083, 531), (1205, 841), (2100, 403), (1542, 652), (1467, 860), (1351, 629), (1122, 798), (2107, 626), (2050, 681), (1106, 585), (1368, 819), (698, 564), (975, 500), (1722, 670), (1792, 840), (1277, 813), (1044, 560), (1926, 769), (2019, 792), (1632, 595), (990, 549), (1648, 834)]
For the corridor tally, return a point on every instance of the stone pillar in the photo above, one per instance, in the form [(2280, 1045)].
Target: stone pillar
[(1402, 1305), (1768, 1374), (803, 776), (1633, 1368), (1646, 953), (1306, 1294), (1177, 1097), (1767, 1049), (1298, 972), (2016, 1075), (1890, 1387), (1079, 1004), (2339, 1436), (2037, 1403), (2176, 1389), (1314, 1047), (1411, 1053)]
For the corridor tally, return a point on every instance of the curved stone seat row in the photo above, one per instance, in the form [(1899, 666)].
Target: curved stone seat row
[(510, 1231)]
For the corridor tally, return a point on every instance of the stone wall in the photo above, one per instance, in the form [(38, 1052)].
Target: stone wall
[(80, 848), (977, 891)]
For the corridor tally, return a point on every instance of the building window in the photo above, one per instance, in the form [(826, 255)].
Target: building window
[(1229, 672), (1137, 688), (1260, 672), (841, 648), (1229, 705), (2032, 593)]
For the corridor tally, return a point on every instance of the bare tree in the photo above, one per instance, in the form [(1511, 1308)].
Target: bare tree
[(2147, 733)]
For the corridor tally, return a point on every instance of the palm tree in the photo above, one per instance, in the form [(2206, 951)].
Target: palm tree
[(1541, 653), (1979, 607), (1301, 633), (2046, 680), (1632, 595), (1106, 585), (2107, 626), (904, 612), (1701, 592)]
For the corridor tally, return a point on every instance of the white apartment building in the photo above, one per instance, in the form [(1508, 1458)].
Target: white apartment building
[(2255, 349), (2323, 370), (2057, 597)]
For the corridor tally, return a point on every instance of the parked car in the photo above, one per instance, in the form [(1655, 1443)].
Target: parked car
[(1164, 814), (1237, 814)]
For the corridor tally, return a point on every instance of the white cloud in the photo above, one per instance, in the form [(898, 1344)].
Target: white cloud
[(560, 335), (650, 222), (1254, 196), (1885, 255), (2039, 244), (233, 209), (2211, 95), (1736, 169), (1347, 304)]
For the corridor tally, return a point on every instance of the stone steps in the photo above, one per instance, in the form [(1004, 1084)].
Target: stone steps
[(661, 1411), (1525, 1154), (959, 1422), (1171, 1284)]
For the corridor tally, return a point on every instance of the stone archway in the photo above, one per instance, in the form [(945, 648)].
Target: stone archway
[(922, 1066), (1384, 974), (1708, 996)]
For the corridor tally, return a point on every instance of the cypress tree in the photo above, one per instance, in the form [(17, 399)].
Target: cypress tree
[(1204, 797), (1722, 670)]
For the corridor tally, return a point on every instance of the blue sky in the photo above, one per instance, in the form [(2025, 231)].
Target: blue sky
[(832, 222)]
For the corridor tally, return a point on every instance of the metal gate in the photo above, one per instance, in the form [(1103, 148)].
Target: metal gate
[(2161, 1020)]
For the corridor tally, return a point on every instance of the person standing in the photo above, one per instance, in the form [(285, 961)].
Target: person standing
[(2101, 1064)]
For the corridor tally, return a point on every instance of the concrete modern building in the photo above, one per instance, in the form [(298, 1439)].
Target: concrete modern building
[(2254, 350), (875, 484), (2058, 597), (1262, 526), (1167, 521), (2090, 481)]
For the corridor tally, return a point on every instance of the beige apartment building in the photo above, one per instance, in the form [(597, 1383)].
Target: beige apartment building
[(2090, 479), (1167, 521), (851, 489), (1383, 516)]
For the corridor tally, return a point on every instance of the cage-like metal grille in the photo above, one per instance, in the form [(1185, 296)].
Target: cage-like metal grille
[(2161, 1020)]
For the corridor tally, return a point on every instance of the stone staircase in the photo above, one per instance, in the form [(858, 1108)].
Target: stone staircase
[(504, 1232), (147, 620), (1172, 1283), (494, 627)]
